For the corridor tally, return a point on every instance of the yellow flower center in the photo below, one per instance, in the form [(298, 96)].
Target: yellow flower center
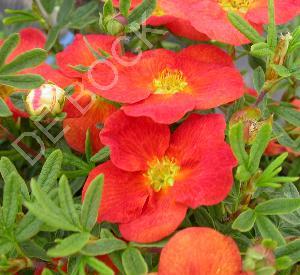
[(5, 91), (169, 82), (241, 6), (158, 11), (161, 173)]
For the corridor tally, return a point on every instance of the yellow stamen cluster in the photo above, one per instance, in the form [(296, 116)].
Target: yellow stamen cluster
[(161, 173), (241, 6), (158, 11), (169, 82)]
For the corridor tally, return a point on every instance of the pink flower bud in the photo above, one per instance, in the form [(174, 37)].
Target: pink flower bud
[(48, 98)]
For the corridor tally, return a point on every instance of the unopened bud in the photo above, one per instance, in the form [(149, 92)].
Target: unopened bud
[(48, 98), (114, 27), (279, 55)]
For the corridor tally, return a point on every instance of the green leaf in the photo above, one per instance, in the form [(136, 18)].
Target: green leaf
[(28, 227), (11, 193), (4, 110), (142, 12), (244, 221), (6, 169), (50, 171), (258, 147), (103, 247), (101, 155), (124, 7), (88, 145), (278, 206), (261, 49), (47, 271), (8, 46), (34, 250), (65, 12), (91, 203), (99, 266), (5, 246), (70, 159), (244, 27), (69, 245), (20, 18), (282, 136), (52, 37), (66, 202), (237, 143), (268, 172), (281, 70), (289, 114), (84, 12), (24, 81), (23, 61), (108, 8), (272, 35), (268, 230), (292, 250), (49, 217), (48, 5), (258, 78), (159, 244), (134, 262)]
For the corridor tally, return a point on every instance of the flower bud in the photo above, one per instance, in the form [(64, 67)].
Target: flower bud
[(48, 98), (114, 27)]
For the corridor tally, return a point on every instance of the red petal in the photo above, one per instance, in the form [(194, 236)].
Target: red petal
[(205, 161), (181, 27), (161, 217), (164, 109), (78, 53), (218, 87), (124, 193), (207, 54), (75, 128), (201, 251), (134, 141), (285, 10), (30, 38), (52, 75)]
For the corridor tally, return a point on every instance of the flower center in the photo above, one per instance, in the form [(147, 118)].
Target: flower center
[(169, 82), (161, 173), (241, 6), (158, 11)]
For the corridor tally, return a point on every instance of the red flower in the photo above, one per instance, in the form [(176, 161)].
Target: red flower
[(210, 16), (165, 85), (201, 251), (154, 176)]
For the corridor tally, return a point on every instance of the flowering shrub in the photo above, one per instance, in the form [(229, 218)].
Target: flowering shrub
[(150, 137)]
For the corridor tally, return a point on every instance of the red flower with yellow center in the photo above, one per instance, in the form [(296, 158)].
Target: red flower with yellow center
[(201, 251), (210, 16), (165, 85), (154, 176)]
